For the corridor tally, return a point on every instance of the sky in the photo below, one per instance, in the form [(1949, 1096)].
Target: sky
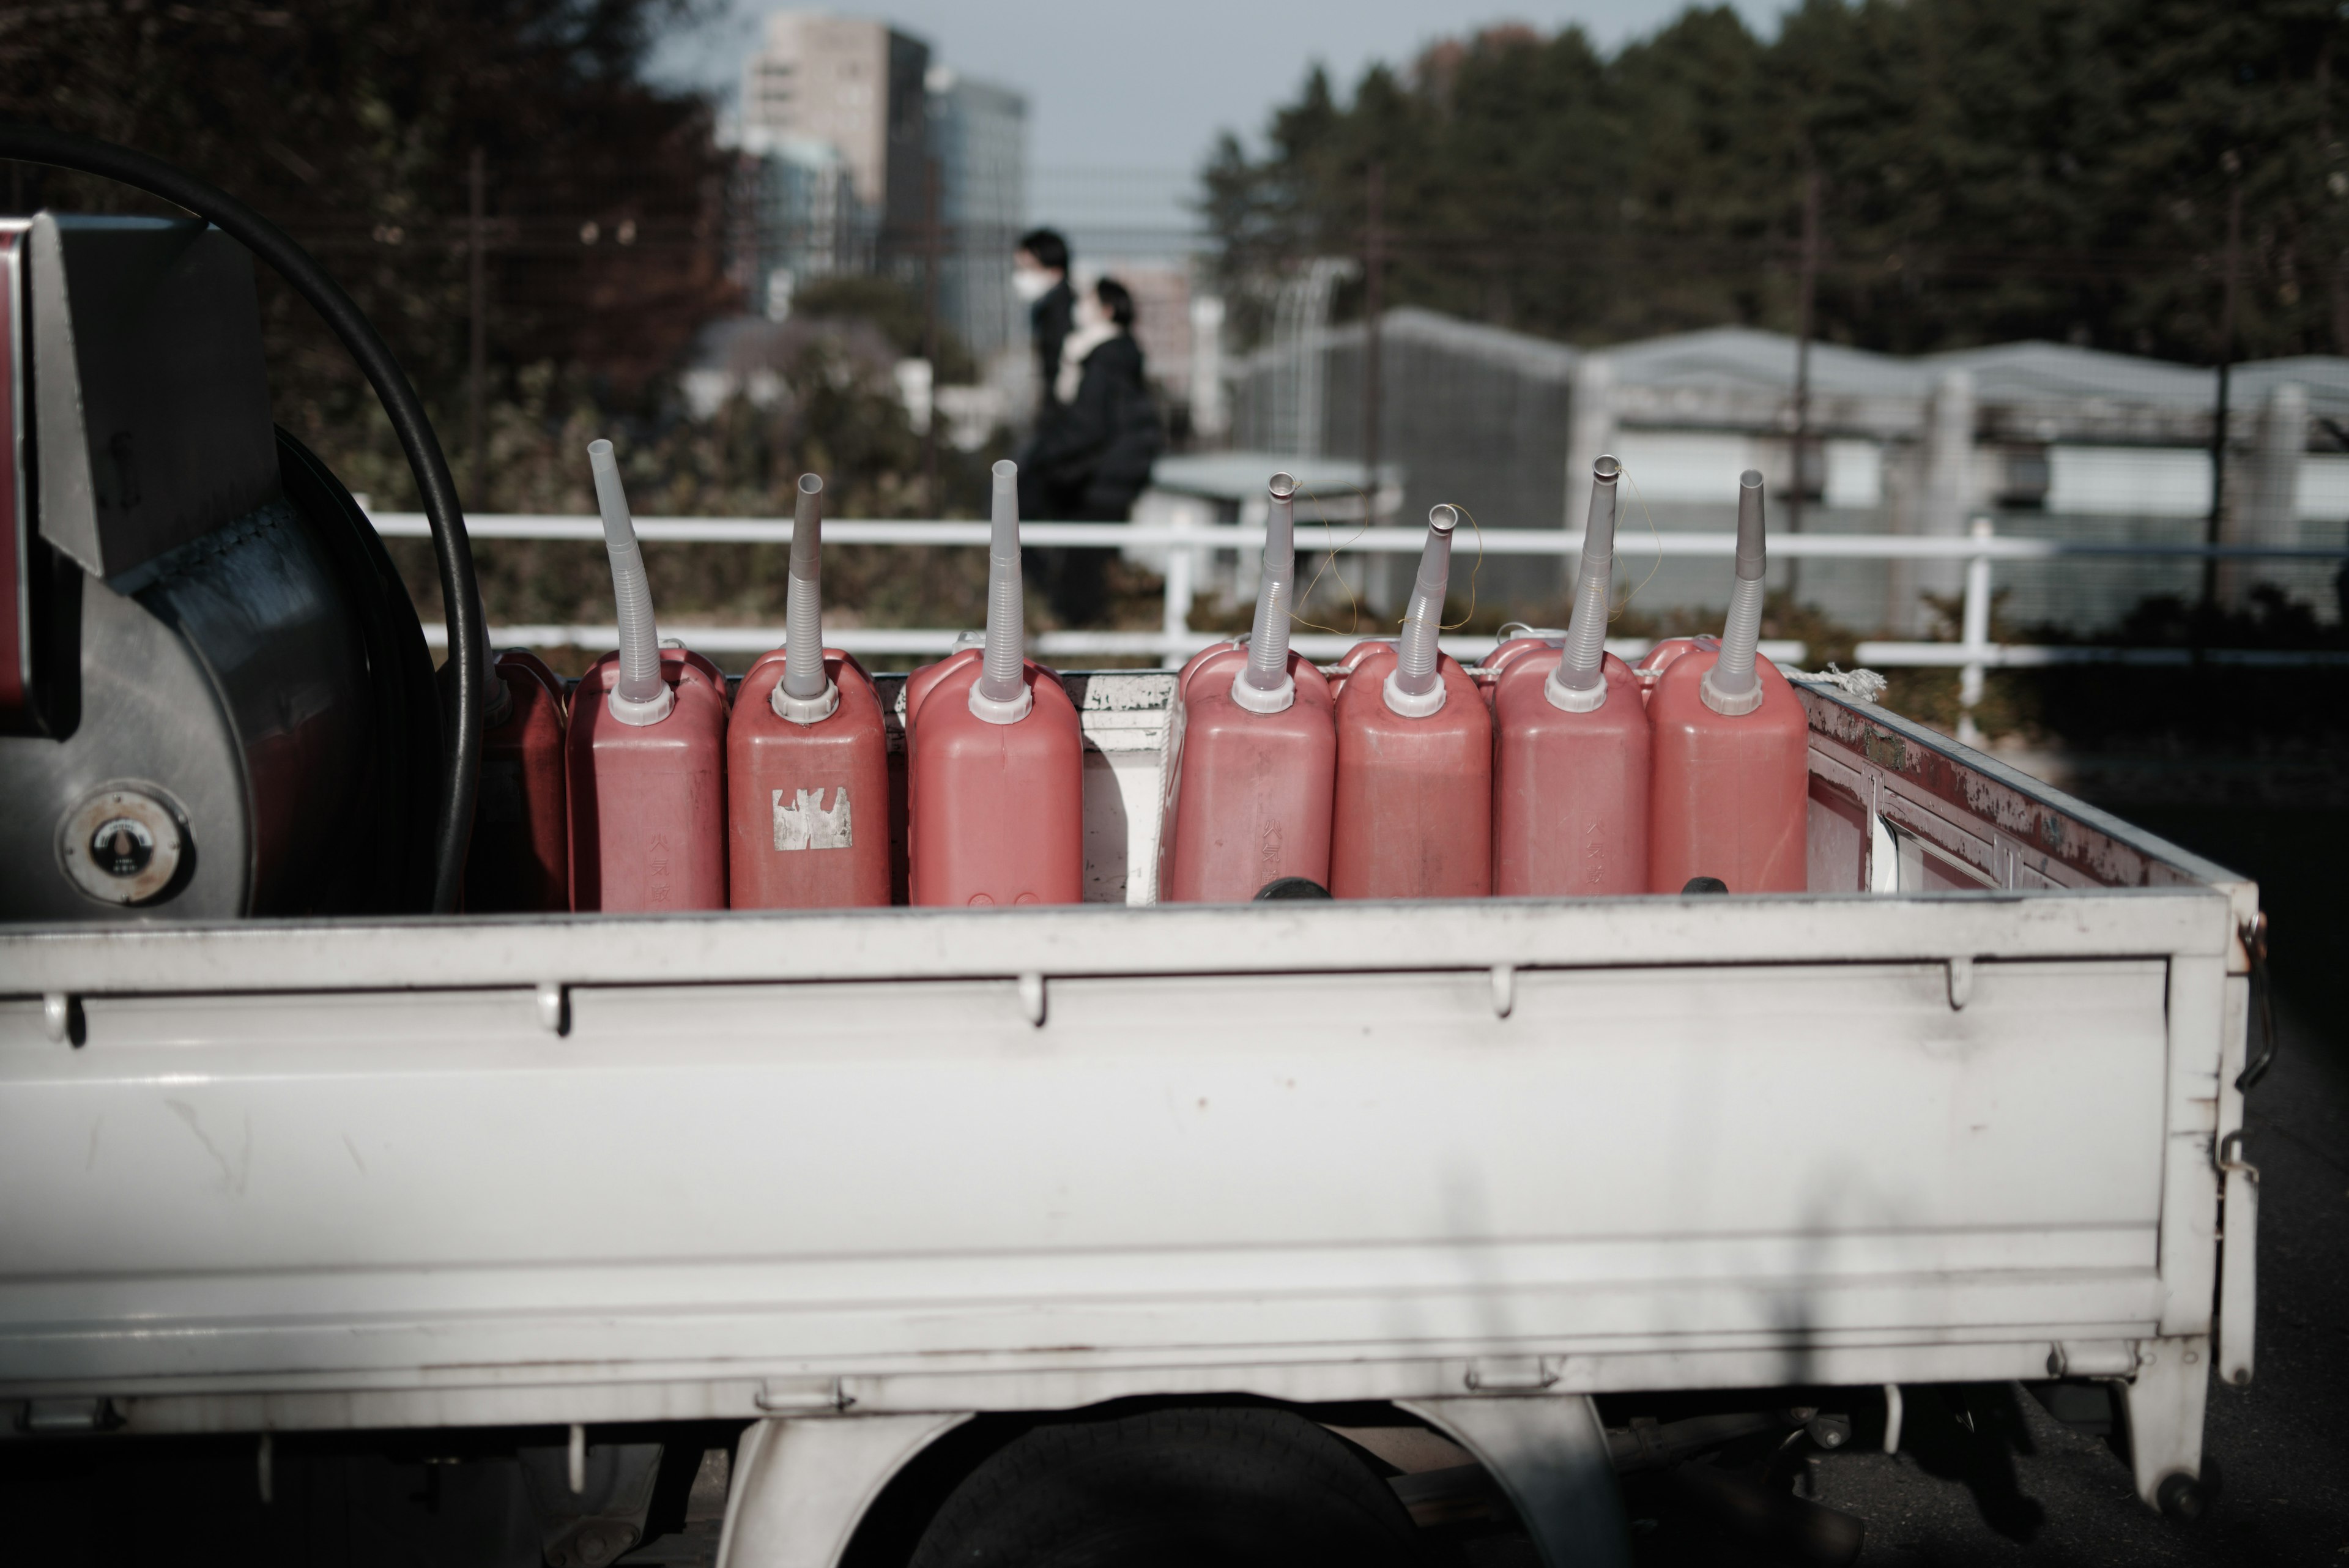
[(1130, 85)]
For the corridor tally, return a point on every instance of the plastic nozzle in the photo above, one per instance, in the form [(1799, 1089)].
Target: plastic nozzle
[(642, 697), (806, 693), (1415, 689), (999, 696), (1265, 685), (1579, 684), (1732, 686)]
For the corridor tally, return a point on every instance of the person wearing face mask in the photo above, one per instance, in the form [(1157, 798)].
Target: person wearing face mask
[(1092, 456), (1040, 276)]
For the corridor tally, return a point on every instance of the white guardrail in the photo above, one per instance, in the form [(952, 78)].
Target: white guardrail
[(1972, 655)]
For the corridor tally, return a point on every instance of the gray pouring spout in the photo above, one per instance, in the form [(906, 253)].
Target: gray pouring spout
[(1733, 686), (642, 697), (999, 696), (1579, 684), (1265, 684), (1414, 687), (806, 694)]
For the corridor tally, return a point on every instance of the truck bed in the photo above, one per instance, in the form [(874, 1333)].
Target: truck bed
[(1953, 1113)]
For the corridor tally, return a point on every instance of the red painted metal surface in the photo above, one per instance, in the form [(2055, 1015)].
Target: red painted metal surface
[(649, 801), (807, 804), (1412, 812), (1729, 796), (994, 812), (1569, 790), (1251, 791), (520, 859)]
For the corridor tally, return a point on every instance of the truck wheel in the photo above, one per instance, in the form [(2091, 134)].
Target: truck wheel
[(1176, 1488)]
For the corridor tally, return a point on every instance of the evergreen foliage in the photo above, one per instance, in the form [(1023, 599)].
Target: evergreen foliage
[(353, 124), (1992, 169)]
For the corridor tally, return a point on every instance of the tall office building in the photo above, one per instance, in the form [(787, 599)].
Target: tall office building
[(796, 218), (844, 124), (979, 135), (857, 87)]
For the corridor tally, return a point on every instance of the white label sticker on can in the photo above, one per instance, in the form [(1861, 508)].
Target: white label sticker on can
[(806, 825)]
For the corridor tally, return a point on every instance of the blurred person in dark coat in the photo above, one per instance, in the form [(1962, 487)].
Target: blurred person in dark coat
[(1039, 277), (1092, 453)]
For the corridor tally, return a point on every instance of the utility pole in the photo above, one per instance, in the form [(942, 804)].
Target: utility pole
[(930, 328), (1373, 293), (477, 369), (2233, 165), (1806, 325)]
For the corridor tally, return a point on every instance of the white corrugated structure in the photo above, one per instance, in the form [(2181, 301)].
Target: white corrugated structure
[(2047, 438)]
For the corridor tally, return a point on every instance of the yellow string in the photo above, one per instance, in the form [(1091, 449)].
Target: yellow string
[(1330, 564), (1617, 610)]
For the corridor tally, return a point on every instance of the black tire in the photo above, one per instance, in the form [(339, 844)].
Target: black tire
[(1172, 1489), (394, 822)]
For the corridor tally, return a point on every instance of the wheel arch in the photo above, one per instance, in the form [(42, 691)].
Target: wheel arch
[(829, 1492)]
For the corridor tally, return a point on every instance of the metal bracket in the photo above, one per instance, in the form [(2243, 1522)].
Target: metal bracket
[(798, 1395), (2239, 1234), (1961, 982), (2092, 1358), (555, 1008), (46, 1418), (1511, 1374), (1031, 997), (1504, 990), (61, 1018)]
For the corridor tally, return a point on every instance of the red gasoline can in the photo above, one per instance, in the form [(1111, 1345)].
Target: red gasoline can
[(647, 748), (1342, 670), (1570, 742), (1570, 789), (808, 818), (1730, 773), (1660, 658), (994, 764), (648, 800), (520, 859), (1731, 796), (994, 811), (806, 722), (1252, 791), (1254, 750), (1411, 816)]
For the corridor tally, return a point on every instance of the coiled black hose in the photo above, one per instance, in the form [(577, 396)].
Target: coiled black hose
[(460, 592)]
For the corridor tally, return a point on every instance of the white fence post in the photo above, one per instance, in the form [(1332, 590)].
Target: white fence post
[(1175, 619), (1975, 634)]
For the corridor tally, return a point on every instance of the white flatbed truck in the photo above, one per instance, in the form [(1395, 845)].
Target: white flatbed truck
[(1967, 1111)]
